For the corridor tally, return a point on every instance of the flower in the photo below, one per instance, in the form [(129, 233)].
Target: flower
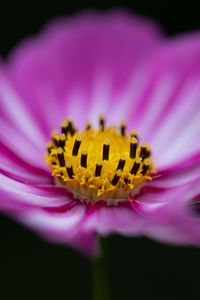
[(123, 67)]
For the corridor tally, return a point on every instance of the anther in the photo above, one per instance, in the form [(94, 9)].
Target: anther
[(64, 130), (71, 128), (134, 134), (98, 170), (61, 141), (49, 147), (121, 164), (126, 180), (88, 127), (135, 168), (55, 138), (84, 160), (123, 129), (69, 170), (145, 168), (76, 147), (102, 122), (65, 127), (68, 127), (61, 158), (106, 148), (133, 149), (115, 179), (144, 152), (53, 159)]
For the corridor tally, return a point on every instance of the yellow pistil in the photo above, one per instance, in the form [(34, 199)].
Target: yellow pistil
[(99, 164)]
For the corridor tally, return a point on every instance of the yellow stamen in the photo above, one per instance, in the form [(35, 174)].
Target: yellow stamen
[(103, 164)]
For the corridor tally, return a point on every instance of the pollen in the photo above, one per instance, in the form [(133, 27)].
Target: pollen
[(106, 163)]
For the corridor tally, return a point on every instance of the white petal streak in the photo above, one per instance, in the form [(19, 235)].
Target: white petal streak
[(187, 136), (51, 109), (178, 180), (158, 100), (29, 194), (100, 97), (21, 146), (179, 125), (24, 174), (130, 96), (18, 113), (76, 107), (44, 220)]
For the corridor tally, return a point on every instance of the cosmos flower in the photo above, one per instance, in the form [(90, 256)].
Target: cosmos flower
[(100, 132)]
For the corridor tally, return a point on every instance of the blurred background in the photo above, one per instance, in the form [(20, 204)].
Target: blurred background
[(30, 268)]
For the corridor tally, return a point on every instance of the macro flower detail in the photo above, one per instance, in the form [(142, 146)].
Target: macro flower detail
[(102, 68), (99, 164)]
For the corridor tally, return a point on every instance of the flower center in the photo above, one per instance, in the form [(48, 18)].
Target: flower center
[(99, 164)]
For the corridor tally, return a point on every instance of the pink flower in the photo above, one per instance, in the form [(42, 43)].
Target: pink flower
[(124, 67)]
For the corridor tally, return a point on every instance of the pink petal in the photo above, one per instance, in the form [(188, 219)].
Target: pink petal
[(30, 195), (169, 214), (168, 111), (78, 67), (122, 218), (178, 226), (59, 223), (20, 132), (16, 168), (57, 227), (14, 112), (181, 173)]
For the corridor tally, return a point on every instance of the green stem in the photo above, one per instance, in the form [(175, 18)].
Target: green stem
[(100, 276)]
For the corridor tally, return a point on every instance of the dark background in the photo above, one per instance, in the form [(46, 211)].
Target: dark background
[(30, 268)]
